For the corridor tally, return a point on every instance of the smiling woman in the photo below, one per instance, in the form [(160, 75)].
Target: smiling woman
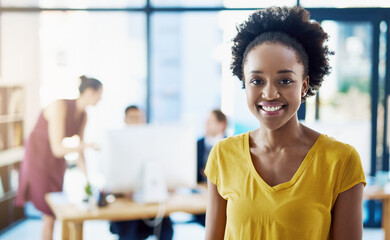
[(282, 180), (275, 83)]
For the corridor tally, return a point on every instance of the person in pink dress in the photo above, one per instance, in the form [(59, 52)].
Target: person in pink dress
[(43, 166)]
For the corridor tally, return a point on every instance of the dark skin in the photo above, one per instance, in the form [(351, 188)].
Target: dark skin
[(278, 164), (274, 85)]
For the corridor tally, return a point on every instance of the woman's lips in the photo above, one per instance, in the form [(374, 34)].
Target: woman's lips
[(271, 109)]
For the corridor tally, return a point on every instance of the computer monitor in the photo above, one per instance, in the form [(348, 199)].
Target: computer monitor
[(126, 151)]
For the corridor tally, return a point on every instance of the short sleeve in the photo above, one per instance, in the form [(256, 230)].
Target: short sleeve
[(353, 172), (211, 169)]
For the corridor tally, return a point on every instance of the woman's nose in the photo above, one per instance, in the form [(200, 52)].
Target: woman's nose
[(270, 92)]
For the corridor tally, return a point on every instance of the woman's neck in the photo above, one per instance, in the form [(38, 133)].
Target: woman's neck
[(81, 104), (290, 134)]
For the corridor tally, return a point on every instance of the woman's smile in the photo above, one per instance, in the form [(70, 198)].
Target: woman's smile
[(271, 108)]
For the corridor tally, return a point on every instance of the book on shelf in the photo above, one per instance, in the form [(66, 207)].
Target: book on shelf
[(2, 192), (14, 179), (3, 136), (11, 100), (15, 134), (3, 101), (15, 100), (11, 110)]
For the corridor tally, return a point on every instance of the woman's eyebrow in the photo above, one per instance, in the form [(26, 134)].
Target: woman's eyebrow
[(257, 72), (286, 71), (279, 72)]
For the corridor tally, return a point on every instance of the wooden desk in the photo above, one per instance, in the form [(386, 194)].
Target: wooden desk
[(72, 217), (374, 193)]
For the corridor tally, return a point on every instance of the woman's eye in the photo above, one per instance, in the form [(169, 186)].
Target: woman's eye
[(255, 82), (285, 81)]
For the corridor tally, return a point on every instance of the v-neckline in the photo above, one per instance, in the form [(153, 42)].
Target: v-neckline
[(306, 161)]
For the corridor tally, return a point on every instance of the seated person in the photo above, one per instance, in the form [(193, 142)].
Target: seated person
[(134, 116), (140, 229), (215, 131)]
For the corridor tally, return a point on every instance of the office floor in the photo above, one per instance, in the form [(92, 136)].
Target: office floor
[(30, 229)]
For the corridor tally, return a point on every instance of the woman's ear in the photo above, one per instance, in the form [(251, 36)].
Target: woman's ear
[(88, 91), (305, 86)]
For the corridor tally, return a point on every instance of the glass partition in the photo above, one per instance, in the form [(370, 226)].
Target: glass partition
[(110, 46), (186, 3), (343, 3), (257, 4), (186, 68), (73, 3), (343, 105)]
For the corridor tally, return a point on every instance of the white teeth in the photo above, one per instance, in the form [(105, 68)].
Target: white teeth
[(271, 109)]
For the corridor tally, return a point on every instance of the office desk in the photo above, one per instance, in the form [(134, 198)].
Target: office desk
[(373, 193), (72, 217)]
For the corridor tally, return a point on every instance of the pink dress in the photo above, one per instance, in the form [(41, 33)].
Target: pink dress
[(41, 172)]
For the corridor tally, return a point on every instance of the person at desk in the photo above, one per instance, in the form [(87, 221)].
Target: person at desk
[(134, 115), (139, 229), (215, 131), (43, 166), (282, 180), (216, 124)]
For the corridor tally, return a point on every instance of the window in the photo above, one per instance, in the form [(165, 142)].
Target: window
[(186, 3), (257, 4), (73, 3), (343, 105), (186, 70), (110, 46), (344, 3)]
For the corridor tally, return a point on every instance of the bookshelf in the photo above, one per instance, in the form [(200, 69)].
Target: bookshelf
[(12, 104)]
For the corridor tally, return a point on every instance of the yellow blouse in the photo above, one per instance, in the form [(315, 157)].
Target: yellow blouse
[(297, 209)]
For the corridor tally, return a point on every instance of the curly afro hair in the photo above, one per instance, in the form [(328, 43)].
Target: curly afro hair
[(292, 28)]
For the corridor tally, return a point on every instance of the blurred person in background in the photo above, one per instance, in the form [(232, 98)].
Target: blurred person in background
[(215, 131), (216, 124), (43, 166), (134, 115)]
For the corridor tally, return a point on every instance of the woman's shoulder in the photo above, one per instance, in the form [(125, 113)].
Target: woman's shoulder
[(235, 138), (233, 141), (336, 152), (327, 142), (59, 103), (57, 107), (330, 142)]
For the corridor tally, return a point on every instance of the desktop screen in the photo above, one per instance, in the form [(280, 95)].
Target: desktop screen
[(126, 151)]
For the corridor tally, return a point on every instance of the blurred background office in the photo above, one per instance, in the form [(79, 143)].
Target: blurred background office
[(171, 58)]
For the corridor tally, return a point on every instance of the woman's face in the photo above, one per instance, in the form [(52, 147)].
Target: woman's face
[(135, 116), (274, 84), (213, 126), (95, 95)]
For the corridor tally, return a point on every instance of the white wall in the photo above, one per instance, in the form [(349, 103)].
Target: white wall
[(19, 59)]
